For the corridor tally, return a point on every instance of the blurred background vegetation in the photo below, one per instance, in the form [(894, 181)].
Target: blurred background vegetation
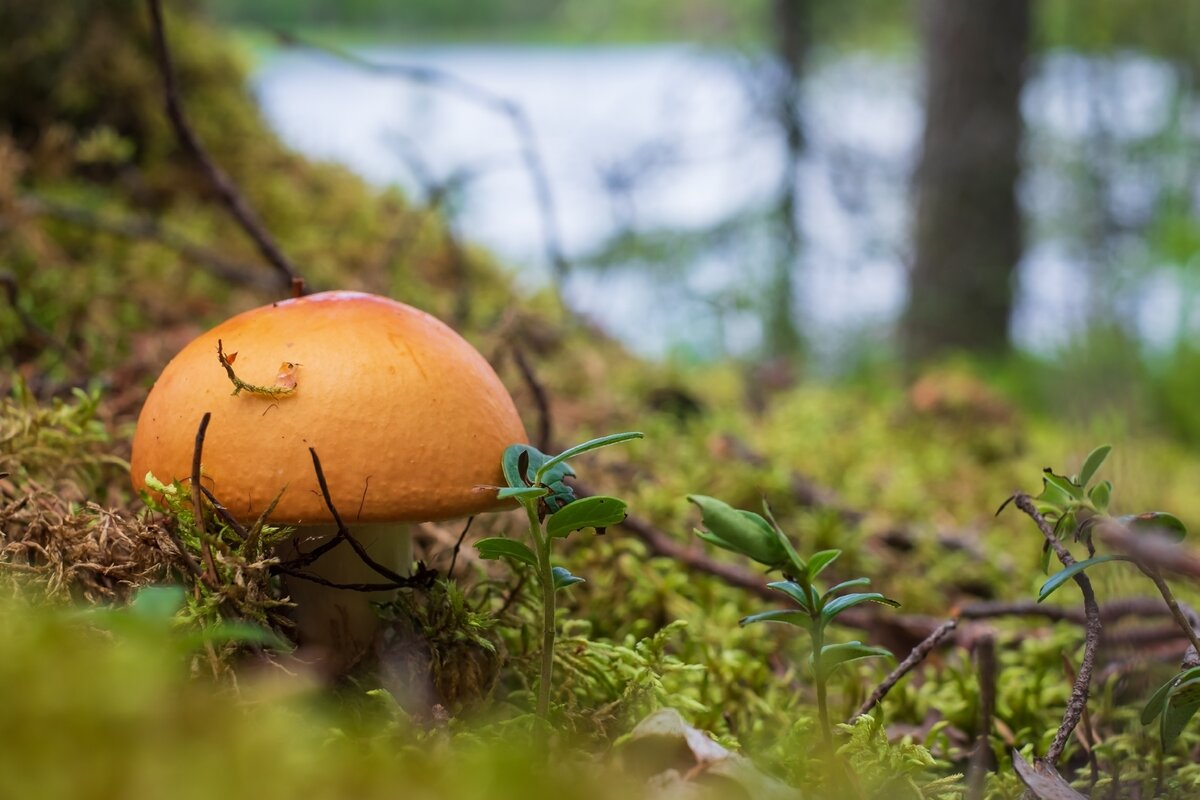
[(909, 253)]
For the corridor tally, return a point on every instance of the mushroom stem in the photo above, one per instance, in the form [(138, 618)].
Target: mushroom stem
[(338, 626)]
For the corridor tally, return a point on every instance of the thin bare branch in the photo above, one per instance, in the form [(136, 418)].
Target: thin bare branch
[(1077, 702), (517, 119), (914, 658), (422, 577), (541, 399), (226, 189), (981, 754), (210, 576), (138, 228)]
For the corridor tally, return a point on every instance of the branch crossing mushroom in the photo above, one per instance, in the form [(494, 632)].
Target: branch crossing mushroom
[(409, 420)]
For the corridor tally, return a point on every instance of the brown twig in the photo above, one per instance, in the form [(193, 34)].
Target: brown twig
[(517, 118), (211, 575), (420, 578), (541, 399), (226, 189), (1085, 733), (914, 658), (1077, 701), (136, 228), (513, 594), (458, 547), (1149, 549), (981, 754), (224, 513), (1186, 622)]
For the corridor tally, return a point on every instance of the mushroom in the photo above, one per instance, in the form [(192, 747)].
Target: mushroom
[(408, 419)]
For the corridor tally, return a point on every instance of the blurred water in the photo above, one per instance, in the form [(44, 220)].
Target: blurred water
[(674, 137)]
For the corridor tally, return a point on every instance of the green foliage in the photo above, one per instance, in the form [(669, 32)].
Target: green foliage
[(751, 535), (157, 616), (1067, 499), (537, 481), (60, 445), (905, 771), (136, 723)]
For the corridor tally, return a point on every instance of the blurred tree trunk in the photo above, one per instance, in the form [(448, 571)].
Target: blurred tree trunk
[(968, 226), (792, 33)]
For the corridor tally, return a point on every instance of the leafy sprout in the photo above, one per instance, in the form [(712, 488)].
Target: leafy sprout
[(764, 541), (538, 482)]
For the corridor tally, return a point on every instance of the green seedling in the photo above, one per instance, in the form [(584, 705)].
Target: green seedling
[(538, 482), (762, 539), (1075, 505)]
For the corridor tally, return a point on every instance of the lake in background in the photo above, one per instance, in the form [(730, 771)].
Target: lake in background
[(661, 138)]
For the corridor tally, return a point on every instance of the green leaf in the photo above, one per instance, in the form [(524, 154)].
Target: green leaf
[(840, 604), (236, 632), (1092, 463), (1063, 484), (1183, 702), (817, 562), (740, 531), (1059, 578), (157, 602), (1155, 521), (563, 578), (579, 449), (835, 655), (521, 463), (499, 547), (846, 585), (1155, 705), (1157, 701), (1100, 494), (795, 591), (1065, 525), (797, 618), (588, 512), (522, 492)]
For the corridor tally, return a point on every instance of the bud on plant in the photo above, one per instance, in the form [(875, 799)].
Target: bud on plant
[(740, 531)]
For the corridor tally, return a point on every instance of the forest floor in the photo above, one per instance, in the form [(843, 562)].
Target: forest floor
[(115, 253)]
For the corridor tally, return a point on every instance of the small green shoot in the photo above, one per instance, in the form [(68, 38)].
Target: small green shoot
[(751, 535), (538, 482), (1070, 505)]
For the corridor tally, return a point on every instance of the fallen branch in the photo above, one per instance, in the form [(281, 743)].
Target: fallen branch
[(914, 658), (226, 189)]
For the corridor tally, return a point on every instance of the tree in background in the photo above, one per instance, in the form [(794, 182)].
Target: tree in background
[(792, 35), (968, 227)]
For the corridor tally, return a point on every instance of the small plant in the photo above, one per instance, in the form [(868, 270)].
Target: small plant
[(1071, 506), (538, 482), (751, 535)]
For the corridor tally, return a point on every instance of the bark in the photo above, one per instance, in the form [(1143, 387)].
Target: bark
[(792, 22), (968, 227)]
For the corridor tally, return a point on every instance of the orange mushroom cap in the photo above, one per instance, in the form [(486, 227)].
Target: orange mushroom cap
[(409, 420)]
